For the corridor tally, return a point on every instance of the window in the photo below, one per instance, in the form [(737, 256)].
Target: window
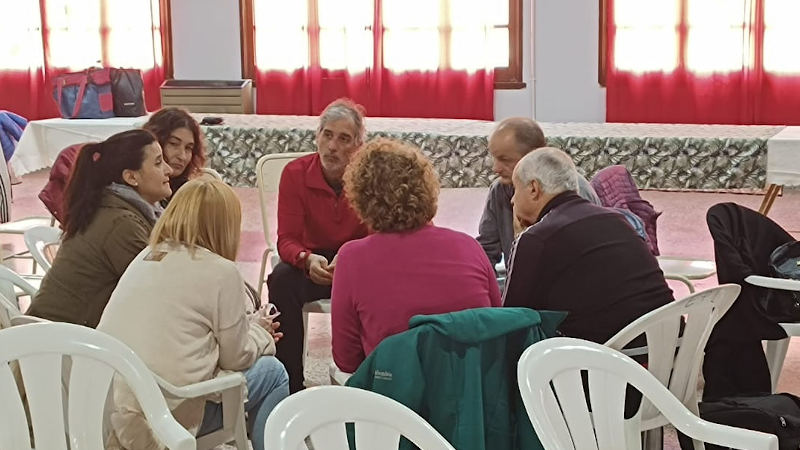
[(123, 33), (21, 37), (781, 35), (76, 31), (704, 36), (647, 38), (415, 35)]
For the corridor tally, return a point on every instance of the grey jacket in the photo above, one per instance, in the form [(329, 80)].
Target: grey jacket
[(496, 229)]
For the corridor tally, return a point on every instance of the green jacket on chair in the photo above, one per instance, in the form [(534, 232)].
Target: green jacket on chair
[(459, 372)]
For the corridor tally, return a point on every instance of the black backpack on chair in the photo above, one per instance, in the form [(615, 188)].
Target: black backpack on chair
[(778, 304), (777, 414)]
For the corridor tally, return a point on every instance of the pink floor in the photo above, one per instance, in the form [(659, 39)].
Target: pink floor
[(681, 232)]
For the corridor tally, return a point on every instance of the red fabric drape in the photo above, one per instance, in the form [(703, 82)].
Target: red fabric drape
[(29, 92), (749, 95), (440, 94), (444, 93)]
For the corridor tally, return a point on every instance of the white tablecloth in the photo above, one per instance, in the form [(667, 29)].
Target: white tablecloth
[(42, 140), (783, 157)]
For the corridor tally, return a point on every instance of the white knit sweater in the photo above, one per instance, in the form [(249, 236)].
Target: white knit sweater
[(184, 314)]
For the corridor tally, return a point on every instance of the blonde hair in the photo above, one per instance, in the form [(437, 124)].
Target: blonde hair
[(392, 186), (204, 212)]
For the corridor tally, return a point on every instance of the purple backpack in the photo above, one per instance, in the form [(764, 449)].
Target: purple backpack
[(616, 189)]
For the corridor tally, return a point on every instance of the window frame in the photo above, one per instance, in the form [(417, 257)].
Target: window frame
[(509, 77)]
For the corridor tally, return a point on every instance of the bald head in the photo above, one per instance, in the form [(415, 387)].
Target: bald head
[(513, 138), (525, 133)]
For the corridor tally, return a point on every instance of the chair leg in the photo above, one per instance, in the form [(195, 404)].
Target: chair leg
[(654, 439), (305, 337), (262, 273), (769, 198), (776, 354), (234, 425)]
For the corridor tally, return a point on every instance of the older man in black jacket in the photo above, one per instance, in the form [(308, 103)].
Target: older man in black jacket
[(575, 256)]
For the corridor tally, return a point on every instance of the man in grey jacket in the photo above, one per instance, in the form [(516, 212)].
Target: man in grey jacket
[(513, 138)]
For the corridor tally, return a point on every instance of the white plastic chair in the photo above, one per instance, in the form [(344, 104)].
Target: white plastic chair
[(11, 316), (8, 312), (776, 350), (268, 171), (20, 226), (38, 240), (232, 388), (338, 378), (686, 270), (95, 359), (550, 381), (13, 285), (675, 359), (320, 413)]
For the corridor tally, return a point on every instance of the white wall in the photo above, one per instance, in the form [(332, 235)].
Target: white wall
[(566, 60), (205, 39)]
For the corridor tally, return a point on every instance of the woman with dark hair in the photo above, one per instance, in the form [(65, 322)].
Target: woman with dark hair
[(182, 141), (110, 206)]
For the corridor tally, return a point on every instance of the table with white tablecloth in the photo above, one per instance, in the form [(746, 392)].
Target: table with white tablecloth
[(783, 164), (661, 156), (43, 139)]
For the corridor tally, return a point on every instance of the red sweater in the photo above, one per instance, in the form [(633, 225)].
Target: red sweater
[(311, 217)]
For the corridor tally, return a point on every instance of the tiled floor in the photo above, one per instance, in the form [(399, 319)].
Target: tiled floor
[(682, 232)]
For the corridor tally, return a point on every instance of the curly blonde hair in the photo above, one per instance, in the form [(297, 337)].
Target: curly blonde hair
[(392, 186)]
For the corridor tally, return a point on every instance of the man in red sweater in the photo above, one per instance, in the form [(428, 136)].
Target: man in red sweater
[(314, 220)]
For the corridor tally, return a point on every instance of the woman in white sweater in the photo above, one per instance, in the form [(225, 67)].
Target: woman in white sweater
[(181, 306)]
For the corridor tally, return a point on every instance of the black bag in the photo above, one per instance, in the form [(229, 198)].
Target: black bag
[(781, 305), (777, 414), (127, 87)]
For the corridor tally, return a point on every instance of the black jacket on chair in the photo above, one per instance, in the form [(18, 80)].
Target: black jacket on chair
[(743, 241)]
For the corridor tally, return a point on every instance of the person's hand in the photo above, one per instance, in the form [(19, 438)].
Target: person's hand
[(273, 330), (266, 323), (317, 266), (332, 265)]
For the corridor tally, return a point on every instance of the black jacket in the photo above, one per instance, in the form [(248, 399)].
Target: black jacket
[(586, 260)]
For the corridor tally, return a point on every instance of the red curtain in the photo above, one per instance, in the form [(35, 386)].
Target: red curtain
[(28, 92), (442, 93), (439, 94), (746, 95)]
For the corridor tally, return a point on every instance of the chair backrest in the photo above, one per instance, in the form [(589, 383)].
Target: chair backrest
[(8, 311), (52, 195), (551, 383), (9, 279), (616, 188), (268, 177), (673, 357), (318, 413), (95, 358), (40, 242)]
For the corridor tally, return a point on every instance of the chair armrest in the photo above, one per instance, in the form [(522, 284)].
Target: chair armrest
[(728, 436), (202, 388), (774, 283)]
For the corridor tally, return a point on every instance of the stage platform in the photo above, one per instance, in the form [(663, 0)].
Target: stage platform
[(685, 157)]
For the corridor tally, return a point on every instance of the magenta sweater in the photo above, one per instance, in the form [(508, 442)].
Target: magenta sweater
[(382, 280)]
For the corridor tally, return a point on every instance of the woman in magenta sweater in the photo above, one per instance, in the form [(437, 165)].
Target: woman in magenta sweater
[(408, 266)]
